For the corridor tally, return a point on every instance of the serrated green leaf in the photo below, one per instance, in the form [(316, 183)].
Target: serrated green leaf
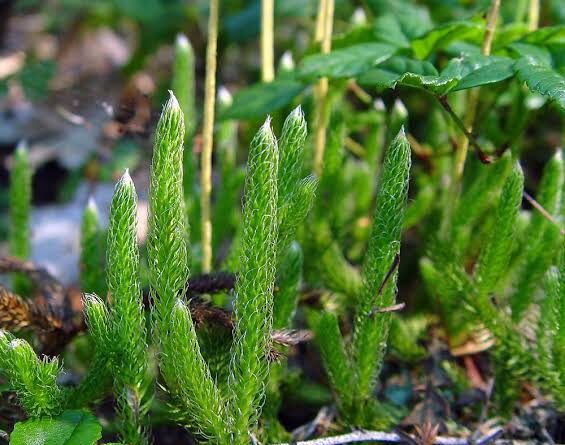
[(262, 98), (443, 35), (70, 428), (345, 62), (499, 69), (404, 71), (538, 53), (541, 79)]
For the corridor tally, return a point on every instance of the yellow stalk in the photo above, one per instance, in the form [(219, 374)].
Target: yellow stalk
[(207, 137), (267, 40), (324, 26), (473, 95)]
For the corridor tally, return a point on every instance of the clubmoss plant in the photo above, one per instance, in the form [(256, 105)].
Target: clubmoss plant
[(353, 371), (184, 370), (98, 380), (19, 210), (33, 379), (254, 287), (126, 314), (494, 276)]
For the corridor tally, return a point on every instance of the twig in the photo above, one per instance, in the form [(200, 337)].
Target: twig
[(207, 135), (361, 94), (354, 147), (536, 205), (483, 157), (378, 436), (384, 310)]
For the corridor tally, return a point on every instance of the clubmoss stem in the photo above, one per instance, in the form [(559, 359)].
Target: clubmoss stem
[(267, 40), (207, 136)]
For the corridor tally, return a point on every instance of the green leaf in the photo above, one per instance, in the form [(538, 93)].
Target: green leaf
[(408, 72), (388, 29), (499, 69), (414, 19), (538, 53), (262, 98), (443, 35), (70, 428), (346, 62), (546, 35), (541, 79)]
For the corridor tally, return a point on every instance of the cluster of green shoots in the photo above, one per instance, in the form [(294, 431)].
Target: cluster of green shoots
[(226, 387)]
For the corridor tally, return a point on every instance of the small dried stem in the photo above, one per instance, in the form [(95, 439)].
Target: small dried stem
[(324, 26), (267, 40), (536, 205), (207, 136), (533, 15)]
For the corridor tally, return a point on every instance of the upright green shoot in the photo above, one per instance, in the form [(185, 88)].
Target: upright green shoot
[(166, 244), (186, 375), (126, 314), (19, 209), (494, 258), (33, 379), (371, 328), (541, 247), (91, 251), (254, 287)]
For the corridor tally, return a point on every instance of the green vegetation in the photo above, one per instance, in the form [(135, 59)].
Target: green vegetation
[(398, 222)]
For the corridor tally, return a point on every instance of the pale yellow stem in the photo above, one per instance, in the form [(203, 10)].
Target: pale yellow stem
[(320, 20), (324, 26), (267, 40), (473, 95), (207, 137), (533, 15)]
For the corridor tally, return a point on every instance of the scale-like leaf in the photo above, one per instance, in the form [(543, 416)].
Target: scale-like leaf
[(541, 79), (262, 98), (70, 428), (345, 62)]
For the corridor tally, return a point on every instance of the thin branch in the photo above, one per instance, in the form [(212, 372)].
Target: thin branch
[(361, 94), (324, 26), (377, 436), (483, 157), (207, 135), (536, 205)]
